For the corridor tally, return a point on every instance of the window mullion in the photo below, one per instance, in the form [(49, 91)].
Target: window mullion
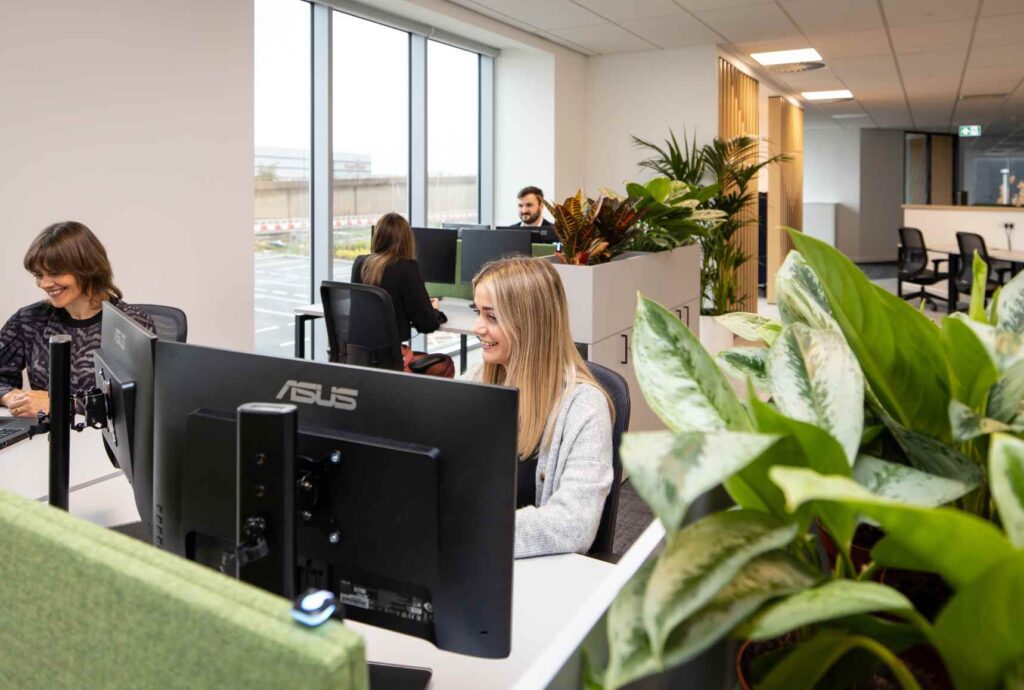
[(417, 130)]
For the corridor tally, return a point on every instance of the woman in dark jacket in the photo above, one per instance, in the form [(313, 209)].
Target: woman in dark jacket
[(393, 268)]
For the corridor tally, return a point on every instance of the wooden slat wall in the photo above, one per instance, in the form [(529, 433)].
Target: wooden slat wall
[(738, 115), (785, 183)]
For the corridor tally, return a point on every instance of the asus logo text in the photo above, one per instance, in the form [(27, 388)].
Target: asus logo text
[(313, 394)]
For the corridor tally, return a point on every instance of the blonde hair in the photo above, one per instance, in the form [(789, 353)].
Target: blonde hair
[(544, 364), (392, 241)]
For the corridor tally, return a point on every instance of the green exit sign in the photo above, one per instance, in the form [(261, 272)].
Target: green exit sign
[(970, 130)]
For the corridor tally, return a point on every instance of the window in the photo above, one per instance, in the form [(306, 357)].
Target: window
[(281, 170), (371, 132), (453, 131)]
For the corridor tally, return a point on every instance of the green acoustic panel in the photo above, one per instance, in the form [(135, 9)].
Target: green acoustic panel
[(85, 607), (465, 290)]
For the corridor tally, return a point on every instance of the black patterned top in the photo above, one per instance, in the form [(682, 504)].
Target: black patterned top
[(25, 343)]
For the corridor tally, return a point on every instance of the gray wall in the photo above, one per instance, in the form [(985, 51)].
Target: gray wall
[(881, 193), (832, 175)]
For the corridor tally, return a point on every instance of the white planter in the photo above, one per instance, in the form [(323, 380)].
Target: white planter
[(602, 298)]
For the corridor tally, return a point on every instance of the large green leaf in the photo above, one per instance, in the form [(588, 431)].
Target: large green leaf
[(835, 599), (1004, 400), (979, 271), (670, 471), (1006, 480), (934, 457), (800, 295), (967, 425), (771, 575), (899, 349), (700, 560), (679, 379), (629, 649), (815, 378), (907, 485), (753, 327), (972, 371), (951, 543), (1010, 306), (979, 633), (809, 662), (746, 362)]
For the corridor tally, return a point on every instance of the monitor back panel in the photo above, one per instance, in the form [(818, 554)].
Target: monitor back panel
[(482, 246), (435, 254)]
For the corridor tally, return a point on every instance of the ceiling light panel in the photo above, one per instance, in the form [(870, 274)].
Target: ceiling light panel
[(786, 57), (834, 95)]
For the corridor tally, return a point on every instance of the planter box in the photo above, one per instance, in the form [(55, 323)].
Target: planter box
[(602, 298)]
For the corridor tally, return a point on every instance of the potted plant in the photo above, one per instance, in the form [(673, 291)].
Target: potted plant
[(858, 407), (593, 232)]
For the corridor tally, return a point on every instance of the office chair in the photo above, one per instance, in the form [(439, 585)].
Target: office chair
[(170, 322), (971, 244), (617, 389), (913, 267), (361, 328)]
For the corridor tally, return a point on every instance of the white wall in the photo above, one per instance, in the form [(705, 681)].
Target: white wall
[(832, 175), (646, 94), (881, 193), (135, 117)]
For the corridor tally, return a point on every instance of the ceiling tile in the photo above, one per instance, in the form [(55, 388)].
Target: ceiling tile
[(994, 7), (932, 63), (814, 119), (604, 39), (618, 11), (768, 46), (870, 67), (992, 79), (993, 56), (548, 15), (923, 37), (672, 32), (815, 16), (1004, 30), (699, 5), (753, 23), (915, 12), (845, 44)]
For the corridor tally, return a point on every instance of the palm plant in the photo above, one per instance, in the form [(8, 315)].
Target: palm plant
[(732, 165)]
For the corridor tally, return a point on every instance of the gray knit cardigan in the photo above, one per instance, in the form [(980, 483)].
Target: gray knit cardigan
[(573, 477)]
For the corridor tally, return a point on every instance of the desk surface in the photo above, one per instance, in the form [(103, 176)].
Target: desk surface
[(556, 599), (460, 317), (1014, 256)]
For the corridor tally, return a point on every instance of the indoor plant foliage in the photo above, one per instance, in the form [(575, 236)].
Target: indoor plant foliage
[(731, 165), (858, 407), (672, 216), (593, 232)]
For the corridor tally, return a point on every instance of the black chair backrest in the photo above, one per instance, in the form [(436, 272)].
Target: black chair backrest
[(970, 244), (913, 257), (361, 326), (617, 389), (170, 322)]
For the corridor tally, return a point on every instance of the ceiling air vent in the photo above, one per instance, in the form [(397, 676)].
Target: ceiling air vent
[(983, 96), (806, 66)]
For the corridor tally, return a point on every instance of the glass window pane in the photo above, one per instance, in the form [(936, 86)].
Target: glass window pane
[(371, 132), (453, 148), (281, 170)]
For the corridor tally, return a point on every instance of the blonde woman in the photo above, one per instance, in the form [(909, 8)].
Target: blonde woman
[(565, 417), (392, 267)]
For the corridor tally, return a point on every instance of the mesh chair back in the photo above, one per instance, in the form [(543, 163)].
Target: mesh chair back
[(617, 389), (970, 244), (361, 326), (913, 257), (170, 322)]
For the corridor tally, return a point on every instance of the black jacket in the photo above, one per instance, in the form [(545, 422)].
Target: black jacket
[(403, 282)]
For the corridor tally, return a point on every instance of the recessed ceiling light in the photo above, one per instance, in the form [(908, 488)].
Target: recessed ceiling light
[(837, 95), (848, 116), (785, 57)]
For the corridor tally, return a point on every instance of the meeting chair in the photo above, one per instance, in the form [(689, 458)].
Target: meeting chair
[(617, 389), (361, 328), (913, 267), (970, 244), (170, 322)]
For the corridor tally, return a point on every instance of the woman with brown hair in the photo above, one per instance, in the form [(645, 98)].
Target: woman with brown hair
[(392, 267), (70, 265), (565, 417)]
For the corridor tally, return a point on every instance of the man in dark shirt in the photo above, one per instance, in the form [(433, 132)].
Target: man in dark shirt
[(531, 208)]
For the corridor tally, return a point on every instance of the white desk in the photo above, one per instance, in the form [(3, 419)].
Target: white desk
[(556, 599), (460, 320)]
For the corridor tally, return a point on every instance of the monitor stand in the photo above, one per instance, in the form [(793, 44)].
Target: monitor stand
[(390, 677)]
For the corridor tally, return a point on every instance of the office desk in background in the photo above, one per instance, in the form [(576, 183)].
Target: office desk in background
[(460, 320), (556, 600), (1016, 258)]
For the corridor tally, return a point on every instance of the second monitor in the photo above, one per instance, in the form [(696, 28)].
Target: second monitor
[(482, 246)]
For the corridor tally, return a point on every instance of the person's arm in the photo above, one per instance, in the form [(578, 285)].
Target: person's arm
[(569, 520), (418, 306), (13, 359)]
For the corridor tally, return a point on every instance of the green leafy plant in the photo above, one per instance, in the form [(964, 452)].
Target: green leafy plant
[(838, 425), (731, 165), (672, 216), (593, 232)]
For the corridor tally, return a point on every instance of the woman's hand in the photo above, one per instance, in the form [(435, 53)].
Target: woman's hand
[(27, 403)]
